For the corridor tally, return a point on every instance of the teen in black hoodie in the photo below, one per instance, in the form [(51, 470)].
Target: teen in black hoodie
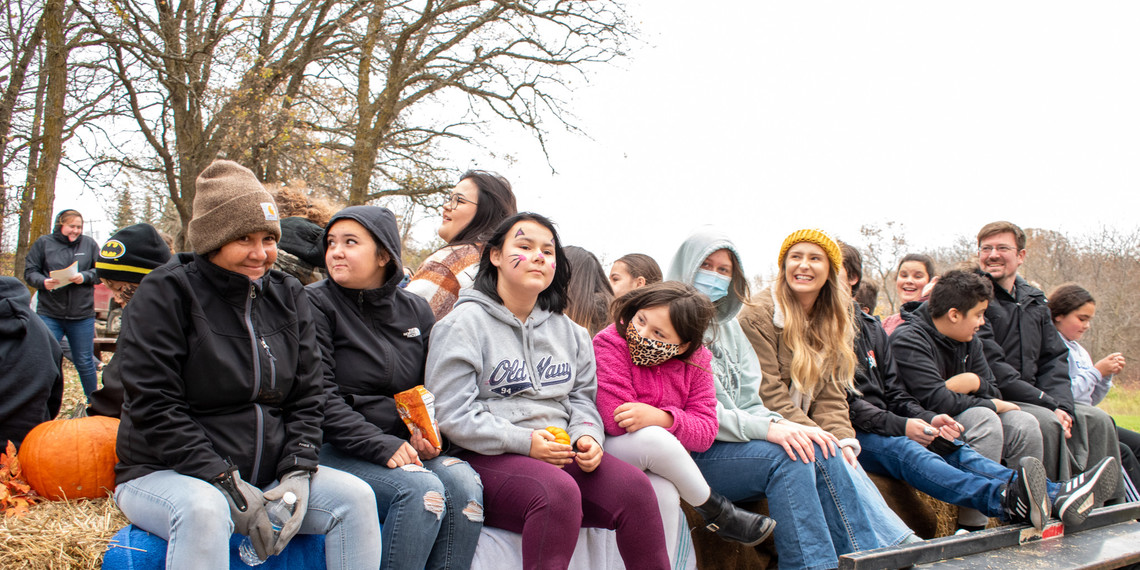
[(374, 338), (31, 385)]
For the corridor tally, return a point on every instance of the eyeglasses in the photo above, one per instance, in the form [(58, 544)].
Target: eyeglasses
[(454, 200), (1000, 249)]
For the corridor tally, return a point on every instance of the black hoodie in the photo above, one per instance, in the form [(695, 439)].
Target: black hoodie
[(1028, 358), (31, 385), (927, 358), (884, 406), (374, 344)]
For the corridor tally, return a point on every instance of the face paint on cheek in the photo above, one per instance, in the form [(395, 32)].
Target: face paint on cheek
[(518, 259)]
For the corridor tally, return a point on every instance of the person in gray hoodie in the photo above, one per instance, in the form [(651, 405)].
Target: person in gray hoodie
[(505, 365), (758, 453)]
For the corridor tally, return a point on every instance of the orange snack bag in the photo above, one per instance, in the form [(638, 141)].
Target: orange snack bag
[(417, 408)]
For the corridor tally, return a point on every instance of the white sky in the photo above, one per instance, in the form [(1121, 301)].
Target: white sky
[(761, 118)]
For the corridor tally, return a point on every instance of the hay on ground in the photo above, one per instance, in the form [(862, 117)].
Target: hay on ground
[(60, 534)]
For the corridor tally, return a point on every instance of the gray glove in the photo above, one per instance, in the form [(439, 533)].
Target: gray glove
[(247, 510), (296, 482)]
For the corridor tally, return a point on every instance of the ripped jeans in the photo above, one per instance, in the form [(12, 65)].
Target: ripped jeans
[(431, 517)]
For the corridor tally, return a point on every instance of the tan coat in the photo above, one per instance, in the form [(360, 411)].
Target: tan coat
[(763, 324)]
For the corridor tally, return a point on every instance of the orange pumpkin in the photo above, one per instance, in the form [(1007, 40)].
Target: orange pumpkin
[(71, 459), (560, 435)]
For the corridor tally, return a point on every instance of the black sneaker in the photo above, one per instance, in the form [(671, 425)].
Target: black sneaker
[(1026, 497), (1079, 494)]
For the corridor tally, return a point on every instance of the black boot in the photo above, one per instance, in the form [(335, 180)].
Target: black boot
[(734, 523)]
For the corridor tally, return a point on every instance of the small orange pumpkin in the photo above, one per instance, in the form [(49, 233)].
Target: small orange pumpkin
[(560, 435), (71, 459)]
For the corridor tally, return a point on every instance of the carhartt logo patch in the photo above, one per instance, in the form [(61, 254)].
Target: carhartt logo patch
[(270, 211), (113, 249)]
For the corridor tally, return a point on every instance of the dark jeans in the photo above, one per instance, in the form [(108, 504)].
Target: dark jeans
[(81, 336), (548, 505)]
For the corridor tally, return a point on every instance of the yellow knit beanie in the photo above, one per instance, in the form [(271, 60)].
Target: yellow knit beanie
[(818, 237)]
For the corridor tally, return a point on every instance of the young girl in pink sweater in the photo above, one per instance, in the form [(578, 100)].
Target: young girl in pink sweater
[(658, 403)]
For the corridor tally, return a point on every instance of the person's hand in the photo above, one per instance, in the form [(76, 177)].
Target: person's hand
[(77, 278), (544, 448), (1004, 406), (296, 482), (920, 431), (632, 416), (926, 289), (849, 455), (1111, 364), (247, 510), (798, 440), (589, 453), (404, 455), (423, 447), (1066, 421), (947, 427), (50, 284)]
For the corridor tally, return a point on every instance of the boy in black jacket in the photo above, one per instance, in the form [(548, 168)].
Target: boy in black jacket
[(935, 345)]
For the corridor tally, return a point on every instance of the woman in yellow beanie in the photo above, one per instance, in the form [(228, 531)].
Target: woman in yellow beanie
[(802, 328), (224, 397)]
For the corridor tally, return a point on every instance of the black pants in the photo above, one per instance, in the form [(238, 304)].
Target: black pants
[(1129, 450)]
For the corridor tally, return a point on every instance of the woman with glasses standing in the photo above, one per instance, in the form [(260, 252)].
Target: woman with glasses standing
[(476, 206)]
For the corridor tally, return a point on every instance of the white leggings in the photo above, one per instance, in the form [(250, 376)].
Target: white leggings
[(672, 472)]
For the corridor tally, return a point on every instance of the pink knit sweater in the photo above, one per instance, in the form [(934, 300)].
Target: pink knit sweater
[(682, 389)]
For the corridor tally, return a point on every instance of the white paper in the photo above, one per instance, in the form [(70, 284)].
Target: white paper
[(64, 275)]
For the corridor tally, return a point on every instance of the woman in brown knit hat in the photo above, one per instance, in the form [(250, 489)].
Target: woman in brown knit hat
[(223, 395)]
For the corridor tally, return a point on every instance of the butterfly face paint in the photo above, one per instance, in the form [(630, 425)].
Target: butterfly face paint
[(526, 261)]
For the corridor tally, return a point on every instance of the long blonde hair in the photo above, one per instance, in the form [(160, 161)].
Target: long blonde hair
[(822, 343)]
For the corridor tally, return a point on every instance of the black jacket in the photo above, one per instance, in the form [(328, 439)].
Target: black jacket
[(927, 358), (31, 385), (52, 252), (374, 344), (1028, 359), (885, 405), (215, 367)]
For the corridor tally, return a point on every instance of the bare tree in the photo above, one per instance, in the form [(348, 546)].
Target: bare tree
[(885, 245), (464, 62), (193, 72)]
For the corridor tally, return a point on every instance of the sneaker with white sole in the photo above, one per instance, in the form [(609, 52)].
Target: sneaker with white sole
[(1026, 496), (1079, 494)]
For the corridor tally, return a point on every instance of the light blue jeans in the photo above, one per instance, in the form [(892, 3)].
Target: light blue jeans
[(816, 505), (194, 518), (431, 515), (80, 335)]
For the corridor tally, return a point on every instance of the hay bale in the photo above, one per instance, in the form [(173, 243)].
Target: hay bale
[(60, 534)]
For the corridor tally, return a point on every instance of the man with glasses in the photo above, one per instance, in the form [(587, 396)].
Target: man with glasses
[(1030, 362)]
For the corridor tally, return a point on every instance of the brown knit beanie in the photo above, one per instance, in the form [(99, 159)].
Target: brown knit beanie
[(229, 202), (818, 237)]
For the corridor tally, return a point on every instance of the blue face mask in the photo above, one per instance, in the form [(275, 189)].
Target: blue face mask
[(712, 284)]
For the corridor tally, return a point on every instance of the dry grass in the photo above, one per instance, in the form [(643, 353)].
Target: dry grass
[(60, 534)]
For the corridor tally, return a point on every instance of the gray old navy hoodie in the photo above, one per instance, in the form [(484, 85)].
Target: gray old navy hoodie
[(496, 379)]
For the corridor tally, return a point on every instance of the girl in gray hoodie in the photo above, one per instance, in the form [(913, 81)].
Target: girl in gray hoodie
[(506, 364)]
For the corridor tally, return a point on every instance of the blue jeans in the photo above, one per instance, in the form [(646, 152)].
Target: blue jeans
[(816, 505), (885, 523), (194, 518), (81, 336), (431, 516), (964, 478)]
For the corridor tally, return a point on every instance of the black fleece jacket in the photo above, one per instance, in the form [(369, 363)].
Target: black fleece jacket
[(885, 405), (31, 385), (217, 367), (373, 344), (927, 358), (1026, 354), (52, 252)]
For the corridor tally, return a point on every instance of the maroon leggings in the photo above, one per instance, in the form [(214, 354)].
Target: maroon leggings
[(548, 505)]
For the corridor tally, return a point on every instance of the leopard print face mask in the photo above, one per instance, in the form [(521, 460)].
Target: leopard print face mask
[(646, 351)]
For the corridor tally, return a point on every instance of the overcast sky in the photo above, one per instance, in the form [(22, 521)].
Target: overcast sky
[(762, 118)]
